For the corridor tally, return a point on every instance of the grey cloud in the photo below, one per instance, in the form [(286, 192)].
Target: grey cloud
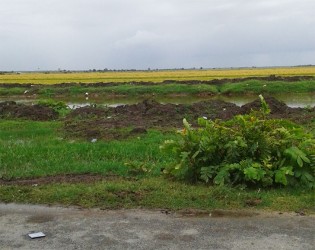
[(83, 34)]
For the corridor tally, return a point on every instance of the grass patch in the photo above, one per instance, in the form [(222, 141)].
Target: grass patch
[(33, 149), (270, 87), (245, 87), (157, 192), (12, 91), (133, 90)]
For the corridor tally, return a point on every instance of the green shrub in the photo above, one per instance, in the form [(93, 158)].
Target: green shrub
[(60, 107), (248, 150)]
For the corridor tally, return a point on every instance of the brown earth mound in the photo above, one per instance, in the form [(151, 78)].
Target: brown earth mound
[(110, 123), (12, 109), (117, 123), (279, 110), (131, 120)]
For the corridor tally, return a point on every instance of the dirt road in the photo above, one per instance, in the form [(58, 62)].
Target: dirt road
[(71, 228)]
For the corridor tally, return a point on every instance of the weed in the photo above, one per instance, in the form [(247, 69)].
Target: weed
[(248, 150)]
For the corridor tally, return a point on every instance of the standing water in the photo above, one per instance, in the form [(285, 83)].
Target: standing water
[(291, 100)]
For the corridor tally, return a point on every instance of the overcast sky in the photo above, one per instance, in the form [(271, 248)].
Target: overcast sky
[(138, 34)]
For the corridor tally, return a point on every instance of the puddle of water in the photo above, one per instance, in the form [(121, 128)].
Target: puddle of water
[(292, 100)]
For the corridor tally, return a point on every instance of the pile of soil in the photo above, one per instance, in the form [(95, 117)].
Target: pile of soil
[(280, 110), (111, 123), (93, 122), (12, 109)]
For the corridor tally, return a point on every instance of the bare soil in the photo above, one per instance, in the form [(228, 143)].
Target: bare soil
[(92, 122), (123, 121), (12, 109)]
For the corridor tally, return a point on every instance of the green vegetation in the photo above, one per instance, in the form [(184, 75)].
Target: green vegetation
[(270, 87), (158, 192), (133, 90), (12, 91), (32, 149), (247, 150), (245, 87), (60, 107)]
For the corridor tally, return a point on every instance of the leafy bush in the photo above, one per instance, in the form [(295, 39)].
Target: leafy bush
[(248, 150), (60, 107)]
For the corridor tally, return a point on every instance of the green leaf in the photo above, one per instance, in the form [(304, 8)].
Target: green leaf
[(186, 124), (297, 155), (299, 161), (254, 173), (264, 105), (178, 166), (280, 175), (304, 158), (206, 173), (195, 154), (202, 122), (221, 176), (309, 177), (251, 173)]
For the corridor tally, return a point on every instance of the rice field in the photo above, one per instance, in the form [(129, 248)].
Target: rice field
[(149, 76)]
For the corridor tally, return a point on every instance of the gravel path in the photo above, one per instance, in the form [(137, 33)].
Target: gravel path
[(72, 228)]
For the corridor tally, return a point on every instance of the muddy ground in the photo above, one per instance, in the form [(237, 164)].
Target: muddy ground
[(12, 109), (122, 121), (93, 122)]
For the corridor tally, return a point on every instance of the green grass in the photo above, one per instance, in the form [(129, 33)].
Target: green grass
[(246, 87), (133, 90), (32, 149), (29, 149), (124, 89), (157, 192), (257, 86), (12, 91)]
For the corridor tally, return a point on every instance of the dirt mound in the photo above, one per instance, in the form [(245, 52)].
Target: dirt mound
[(111, 123), (131, 120), (88, 112), (12, 109), (280, 110), (274, 105)]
